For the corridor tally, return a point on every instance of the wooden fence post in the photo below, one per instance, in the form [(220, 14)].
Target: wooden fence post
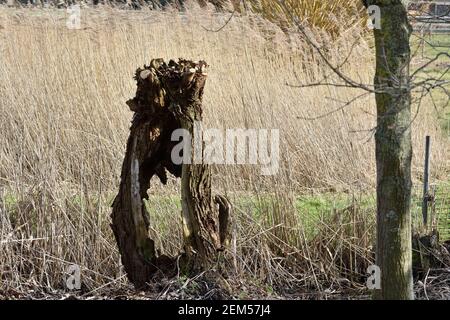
[(426, 182)]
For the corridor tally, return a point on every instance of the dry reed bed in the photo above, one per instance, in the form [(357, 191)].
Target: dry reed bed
[(63, 127)]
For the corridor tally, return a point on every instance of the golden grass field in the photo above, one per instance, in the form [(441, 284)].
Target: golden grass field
[(64, 125)]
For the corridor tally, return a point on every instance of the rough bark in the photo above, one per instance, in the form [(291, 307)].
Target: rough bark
[(168, 97), (393, 151)]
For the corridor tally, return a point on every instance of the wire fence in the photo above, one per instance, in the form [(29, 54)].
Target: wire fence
[(442, 210), (439, 209), (430, 16)]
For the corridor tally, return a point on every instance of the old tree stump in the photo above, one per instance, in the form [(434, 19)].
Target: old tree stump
[(168, 97)]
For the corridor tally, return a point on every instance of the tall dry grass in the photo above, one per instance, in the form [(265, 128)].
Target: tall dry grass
[(64, 123), (333, 16)]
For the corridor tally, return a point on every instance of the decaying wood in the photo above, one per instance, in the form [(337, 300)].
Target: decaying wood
[(168, 97)]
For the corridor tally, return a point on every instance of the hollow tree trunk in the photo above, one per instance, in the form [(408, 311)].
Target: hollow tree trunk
[(168, 97), (393, 151)]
